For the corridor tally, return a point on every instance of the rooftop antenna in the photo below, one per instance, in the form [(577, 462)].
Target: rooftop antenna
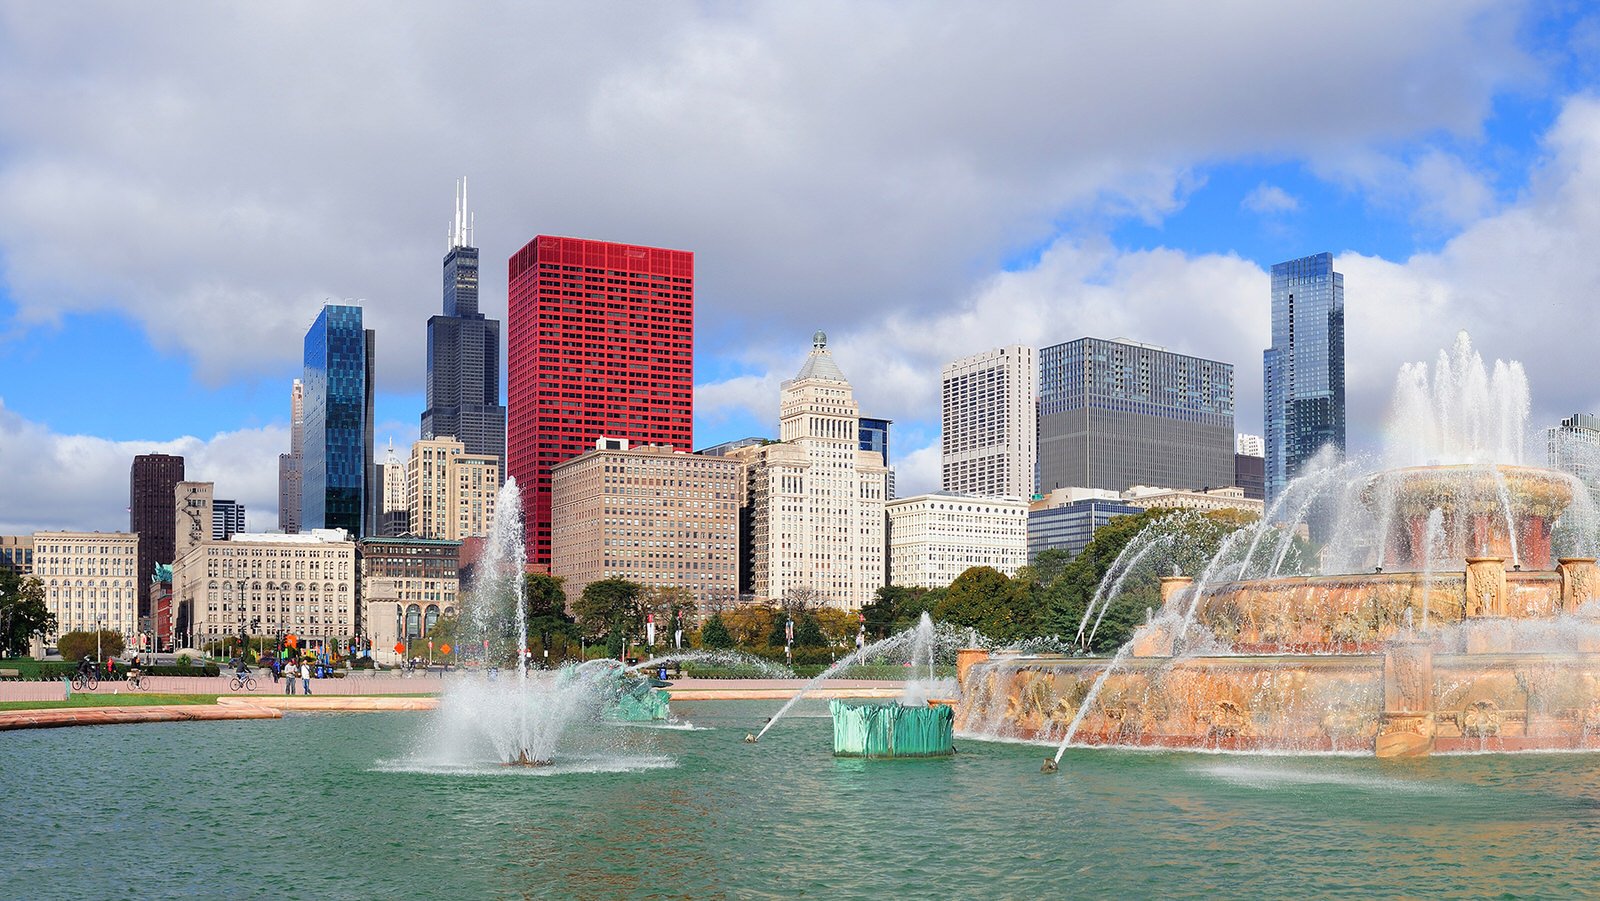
[(461, 227)]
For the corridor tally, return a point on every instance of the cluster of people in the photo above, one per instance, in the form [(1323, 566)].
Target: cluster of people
[(288, 670)]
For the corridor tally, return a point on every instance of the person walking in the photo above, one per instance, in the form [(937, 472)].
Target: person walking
[(276, 666), (305, 674), (288, 677)]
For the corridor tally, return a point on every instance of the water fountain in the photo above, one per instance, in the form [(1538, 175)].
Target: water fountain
[(1278, 643), (919, 722), (522, 717)]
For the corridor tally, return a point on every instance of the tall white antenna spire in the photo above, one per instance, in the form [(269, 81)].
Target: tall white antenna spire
[(461, 225)]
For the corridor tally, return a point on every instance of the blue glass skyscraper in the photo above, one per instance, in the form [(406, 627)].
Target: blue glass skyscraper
[(1303, 370), (335, 489)]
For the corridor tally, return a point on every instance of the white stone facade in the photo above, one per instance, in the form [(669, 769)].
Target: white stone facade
[(301, 584), (933, 538), (1178, 499), (90, 581), (816, 500), (990, 439)]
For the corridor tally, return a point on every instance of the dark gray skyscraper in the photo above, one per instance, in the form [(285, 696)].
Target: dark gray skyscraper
[(1303, 370), (1113, 414), (464, 353)]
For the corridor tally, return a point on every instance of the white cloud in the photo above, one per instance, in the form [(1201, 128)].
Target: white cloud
[(1522, 280), (230, 167), (80, 482), (1268, 199)]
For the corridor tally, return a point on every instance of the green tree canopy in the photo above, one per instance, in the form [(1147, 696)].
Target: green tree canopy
[(714, 634), (75, 645), (23, 614), (611, 607), (985, 599)]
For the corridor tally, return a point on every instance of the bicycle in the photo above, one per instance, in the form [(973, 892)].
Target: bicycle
[(136, 681), (85, 682), (242, 680)]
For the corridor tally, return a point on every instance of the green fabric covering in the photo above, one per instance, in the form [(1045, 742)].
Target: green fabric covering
[(891, 730)]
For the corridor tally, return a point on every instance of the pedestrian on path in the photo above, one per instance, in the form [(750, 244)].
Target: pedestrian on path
[(305, 674), (288, 678)]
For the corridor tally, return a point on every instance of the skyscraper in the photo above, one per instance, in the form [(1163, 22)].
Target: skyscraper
[(601, 343), (289, 465), (815, 500), (151, 481), (464, 353), (875, 437), (337, 460), (227, 519), (1113, 414), (990, 423), (1303, 370)]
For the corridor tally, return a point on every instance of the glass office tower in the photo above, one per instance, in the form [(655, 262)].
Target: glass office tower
[(1303, 370), (338, 422), (1113, 414), (464, 354)]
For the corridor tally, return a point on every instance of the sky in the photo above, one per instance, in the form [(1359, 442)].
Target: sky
[(183, 185)]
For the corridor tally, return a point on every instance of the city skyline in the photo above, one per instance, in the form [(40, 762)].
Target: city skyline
[(1164, 236)]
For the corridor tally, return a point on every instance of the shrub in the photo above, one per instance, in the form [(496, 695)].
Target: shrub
[(75, 645), (184, 660)]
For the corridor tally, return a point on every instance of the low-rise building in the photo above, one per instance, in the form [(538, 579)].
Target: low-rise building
[(90, 581), (1207, 500), (1067, 518), (268, 584), (650, 514), (407, 584), (933, 538)]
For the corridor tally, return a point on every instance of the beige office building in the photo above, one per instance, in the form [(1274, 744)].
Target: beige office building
[(90, 580), (990, 434), (450, 493), (650, 514), (933, 538), (815, 500), (16, 553), (268, 584), (407, 584), (1209, 500)]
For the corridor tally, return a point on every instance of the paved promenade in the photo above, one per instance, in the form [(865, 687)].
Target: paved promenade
[(682, 689)]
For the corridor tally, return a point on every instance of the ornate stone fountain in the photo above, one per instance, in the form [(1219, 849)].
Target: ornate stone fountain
[(1467, 632)]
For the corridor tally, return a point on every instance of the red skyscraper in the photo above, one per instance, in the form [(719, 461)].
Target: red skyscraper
[(600, 343)]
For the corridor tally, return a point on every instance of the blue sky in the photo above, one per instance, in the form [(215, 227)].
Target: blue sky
[(171, 221)]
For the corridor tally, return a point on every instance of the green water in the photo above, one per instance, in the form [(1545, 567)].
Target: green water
[(329, 807)]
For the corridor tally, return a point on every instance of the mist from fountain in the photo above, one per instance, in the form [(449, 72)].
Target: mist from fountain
[(1454, 432), (919, 647), (513, 715)]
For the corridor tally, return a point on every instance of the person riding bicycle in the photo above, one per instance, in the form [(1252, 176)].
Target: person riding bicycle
[(86, 666), (134, 670)]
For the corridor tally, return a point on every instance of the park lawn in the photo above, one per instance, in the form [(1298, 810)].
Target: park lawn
[(127, 699)]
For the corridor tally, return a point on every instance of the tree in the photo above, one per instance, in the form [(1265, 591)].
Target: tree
[(985, 599), (671, 605), (714, 634), (75, 645), (543, 595), (1063, 601), (896, 607), (544, 603), (839, 626), (612, 608), (749, 623), (807, 634), (23, 614)]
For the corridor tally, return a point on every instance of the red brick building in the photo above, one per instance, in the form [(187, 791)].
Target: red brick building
[(600, 343)]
